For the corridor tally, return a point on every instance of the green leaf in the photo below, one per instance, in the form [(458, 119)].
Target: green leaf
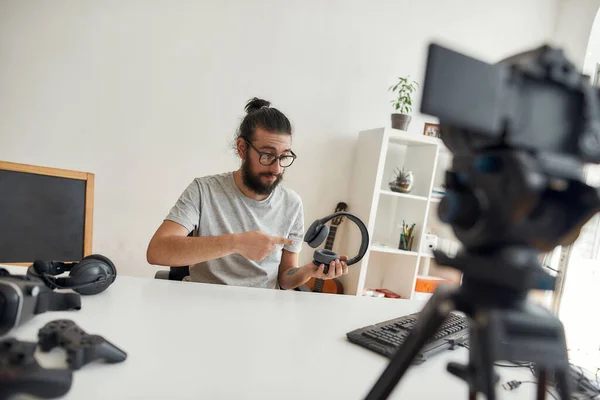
[(404, 91)]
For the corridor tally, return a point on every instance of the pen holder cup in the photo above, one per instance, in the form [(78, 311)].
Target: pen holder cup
[(404, 243)]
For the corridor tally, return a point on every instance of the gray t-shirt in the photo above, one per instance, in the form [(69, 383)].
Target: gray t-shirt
[(214, 205)]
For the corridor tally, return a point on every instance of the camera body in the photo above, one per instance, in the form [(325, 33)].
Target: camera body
[(22, 297), (520, 132), (18, 301)]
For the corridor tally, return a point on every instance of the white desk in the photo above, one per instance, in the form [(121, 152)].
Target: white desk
[(195, 341)]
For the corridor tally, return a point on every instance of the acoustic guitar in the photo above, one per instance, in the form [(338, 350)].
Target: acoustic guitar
[(333, 286)]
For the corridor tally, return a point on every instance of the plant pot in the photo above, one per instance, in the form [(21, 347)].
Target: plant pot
[(400, 121), (403, 183), (404, 187)]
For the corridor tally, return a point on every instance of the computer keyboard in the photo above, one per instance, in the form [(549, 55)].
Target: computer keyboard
[(385, 337)]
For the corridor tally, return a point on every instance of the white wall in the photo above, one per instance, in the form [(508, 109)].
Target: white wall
[(573, 27), (147, 94), (592, 54)]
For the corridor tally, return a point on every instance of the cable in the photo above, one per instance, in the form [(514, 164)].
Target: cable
[(512, 385), (518, 364), (551, 269), (584, 386), (510, 366), (551, 394)]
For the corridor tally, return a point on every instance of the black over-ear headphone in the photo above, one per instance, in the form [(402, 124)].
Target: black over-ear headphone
[(318, 231), (92, 275)]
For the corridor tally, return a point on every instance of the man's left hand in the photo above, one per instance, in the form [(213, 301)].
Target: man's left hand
[(337, 268)]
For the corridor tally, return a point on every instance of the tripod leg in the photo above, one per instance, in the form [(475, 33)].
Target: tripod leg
[(562, 384), (541, 386), (486, 368), (479, 372), (430, 319)]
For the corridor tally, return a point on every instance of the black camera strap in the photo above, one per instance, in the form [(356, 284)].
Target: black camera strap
[(49, 300)]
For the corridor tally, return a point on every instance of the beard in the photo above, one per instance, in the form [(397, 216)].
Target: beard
[(254, 182)]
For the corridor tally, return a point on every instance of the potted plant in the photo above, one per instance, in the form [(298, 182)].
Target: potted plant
[(403, 181), (402, 103)]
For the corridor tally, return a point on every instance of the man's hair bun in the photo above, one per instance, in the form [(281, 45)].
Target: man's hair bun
[(259, 113), (256, 104)]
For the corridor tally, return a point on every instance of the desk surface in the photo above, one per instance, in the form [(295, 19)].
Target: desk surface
[(190, 340)]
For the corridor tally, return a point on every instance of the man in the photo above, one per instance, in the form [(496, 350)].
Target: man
[(247, 227)]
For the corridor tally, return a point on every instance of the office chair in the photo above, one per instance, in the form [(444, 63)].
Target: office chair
[(173, 274)]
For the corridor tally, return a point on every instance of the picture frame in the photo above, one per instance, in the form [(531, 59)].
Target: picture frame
[(432, 130)]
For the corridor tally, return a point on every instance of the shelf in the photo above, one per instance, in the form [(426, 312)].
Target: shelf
[(385, 249), (379, 153), (405, 195), (413, 138)]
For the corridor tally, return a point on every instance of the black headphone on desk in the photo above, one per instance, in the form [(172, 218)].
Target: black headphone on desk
[(318, 231), (92, 275)]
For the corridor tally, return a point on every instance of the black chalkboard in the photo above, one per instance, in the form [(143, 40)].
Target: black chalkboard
[(41, 217)]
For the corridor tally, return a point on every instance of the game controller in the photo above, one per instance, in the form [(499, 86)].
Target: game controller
[(20, 373), (81, 347)]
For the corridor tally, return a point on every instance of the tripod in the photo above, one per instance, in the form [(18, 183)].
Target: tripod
[(520, 133), (503, 324)]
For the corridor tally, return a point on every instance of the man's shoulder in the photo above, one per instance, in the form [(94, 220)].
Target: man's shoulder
[(213, 179), (290, 196)]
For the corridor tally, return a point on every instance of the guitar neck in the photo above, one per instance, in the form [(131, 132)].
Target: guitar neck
[(330, 237), (318, 283)]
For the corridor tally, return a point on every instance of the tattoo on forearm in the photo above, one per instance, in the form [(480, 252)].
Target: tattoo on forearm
[(293, 271)]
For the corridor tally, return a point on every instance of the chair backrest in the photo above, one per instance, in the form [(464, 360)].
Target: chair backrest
[(178, 273)]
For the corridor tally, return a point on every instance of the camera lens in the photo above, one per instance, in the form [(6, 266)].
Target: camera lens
[(461, 209)]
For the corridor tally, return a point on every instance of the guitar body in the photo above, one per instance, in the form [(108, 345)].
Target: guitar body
[(332, 286)]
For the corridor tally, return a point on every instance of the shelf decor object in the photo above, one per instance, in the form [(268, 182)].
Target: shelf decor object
[(432, 130), (402, 104), (403, 181), (406, 237)]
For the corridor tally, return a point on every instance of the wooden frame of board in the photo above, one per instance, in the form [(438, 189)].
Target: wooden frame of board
[(63, 173)]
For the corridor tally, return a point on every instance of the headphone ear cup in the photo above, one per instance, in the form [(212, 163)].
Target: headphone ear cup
[(112, 270), (311, 232), (320, 236), (38, 270), (32, 271), (94, 267), (324, 256)]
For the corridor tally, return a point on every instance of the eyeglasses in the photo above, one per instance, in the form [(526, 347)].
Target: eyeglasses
[(267, 159)]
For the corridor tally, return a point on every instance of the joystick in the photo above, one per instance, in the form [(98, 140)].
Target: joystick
[(81, 348), (20, 373)]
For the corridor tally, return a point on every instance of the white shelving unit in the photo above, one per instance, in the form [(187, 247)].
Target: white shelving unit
[(378, 152)]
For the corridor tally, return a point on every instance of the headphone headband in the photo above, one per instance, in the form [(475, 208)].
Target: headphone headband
[(364, 243), (52, 267), (318, 231)]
